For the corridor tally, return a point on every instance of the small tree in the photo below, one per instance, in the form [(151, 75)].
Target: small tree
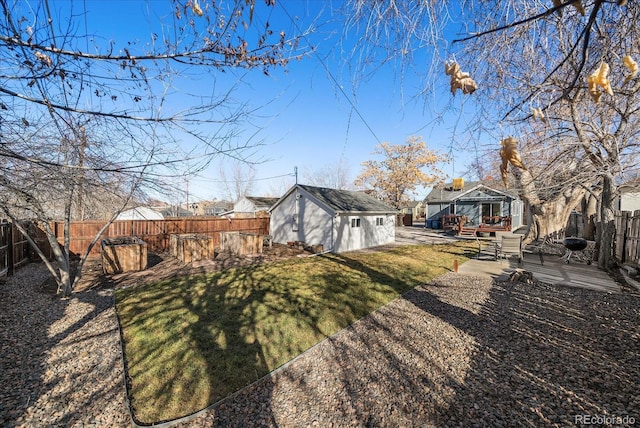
[(401, 171), (334, 176), (83, 116), (239, 181)]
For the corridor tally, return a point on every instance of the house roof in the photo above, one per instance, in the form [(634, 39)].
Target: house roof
[(447, 194), (261, 201), (343, 200), (412, 204), (140, 213)]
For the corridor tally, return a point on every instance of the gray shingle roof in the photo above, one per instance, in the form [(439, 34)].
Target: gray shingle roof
[(346, 200), (262, 201), (446, 194)]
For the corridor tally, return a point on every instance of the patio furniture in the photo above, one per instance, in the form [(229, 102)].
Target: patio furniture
[(509, 245)]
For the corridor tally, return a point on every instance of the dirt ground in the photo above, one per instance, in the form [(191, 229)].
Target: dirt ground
[(163, 266)]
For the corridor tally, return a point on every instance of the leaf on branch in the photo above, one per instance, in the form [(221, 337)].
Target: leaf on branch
[(195, 7), (509, 154), (579, 7), (599, 78), (25, 122), (632, 66), (557, 3), (459, 79), (43, 58), (577, 4), (538, 114)]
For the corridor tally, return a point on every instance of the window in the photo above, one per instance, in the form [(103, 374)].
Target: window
[(295, 223), (491, 209), (379, 221), (355, 222)]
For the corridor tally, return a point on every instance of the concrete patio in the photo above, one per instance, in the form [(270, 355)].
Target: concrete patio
[(553, 271)]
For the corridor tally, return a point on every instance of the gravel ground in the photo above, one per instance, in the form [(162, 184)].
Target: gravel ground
[(60, 360), (460, 351)]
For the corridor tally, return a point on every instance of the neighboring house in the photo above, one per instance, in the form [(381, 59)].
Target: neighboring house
[(339, 220), (249, 206), (629, 199), (475, 201), (215, 208), (140, 213), (415, 208), (176, 211)]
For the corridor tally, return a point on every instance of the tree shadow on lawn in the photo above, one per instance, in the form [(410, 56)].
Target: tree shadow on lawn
[(502, 354), (235, 327), (221, 318)]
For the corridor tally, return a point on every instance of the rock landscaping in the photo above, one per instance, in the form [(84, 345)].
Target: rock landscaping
[(459, 351)]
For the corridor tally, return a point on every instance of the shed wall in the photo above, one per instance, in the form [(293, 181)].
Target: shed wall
[(314, 224), (369, 234)]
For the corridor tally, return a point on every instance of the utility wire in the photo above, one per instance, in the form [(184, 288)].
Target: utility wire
[(333, 78), (207, 180)]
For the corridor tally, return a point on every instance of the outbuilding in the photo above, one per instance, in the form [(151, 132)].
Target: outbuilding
[(339, 220), (140, 213), (251, 206)]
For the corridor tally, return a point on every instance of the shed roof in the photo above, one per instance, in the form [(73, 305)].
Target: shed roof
[(261, 201), (140, 213), (343, 200)]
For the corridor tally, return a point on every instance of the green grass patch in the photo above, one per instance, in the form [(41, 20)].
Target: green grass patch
[(192, 341)]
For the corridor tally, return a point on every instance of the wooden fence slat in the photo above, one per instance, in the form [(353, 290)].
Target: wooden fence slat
[(627, 246), (157, 233)]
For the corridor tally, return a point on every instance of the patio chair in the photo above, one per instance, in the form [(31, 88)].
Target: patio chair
[(509, 245)]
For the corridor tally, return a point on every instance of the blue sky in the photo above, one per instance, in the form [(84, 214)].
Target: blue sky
[(306, 121)]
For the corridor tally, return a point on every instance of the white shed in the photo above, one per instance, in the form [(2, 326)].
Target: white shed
[(253, 204), (339, 220), (140, 213)]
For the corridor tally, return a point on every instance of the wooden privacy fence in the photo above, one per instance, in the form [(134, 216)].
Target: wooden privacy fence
[(14, 249), (628, 237), (156, 233)]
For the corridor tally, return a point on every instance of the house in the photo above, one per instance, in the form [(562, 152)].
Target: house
[(250, 206), (629, 198), (415, 208), (140, 213), (215, 208), (339, 220), (479, 203), (176, 211)]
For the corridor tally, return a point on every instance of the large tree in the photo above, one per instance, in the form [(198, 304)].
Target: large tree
[(402, 169), (84, 115), (558, 77), (571, 65)]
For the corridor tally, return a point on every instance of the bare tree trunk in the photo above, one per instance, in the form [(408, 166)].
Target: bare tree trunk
[(589, 214), (607, 229), (549, 216)]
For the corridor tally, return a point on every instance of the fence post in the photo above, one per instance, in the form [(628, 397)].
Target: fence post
[(10, 260)]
